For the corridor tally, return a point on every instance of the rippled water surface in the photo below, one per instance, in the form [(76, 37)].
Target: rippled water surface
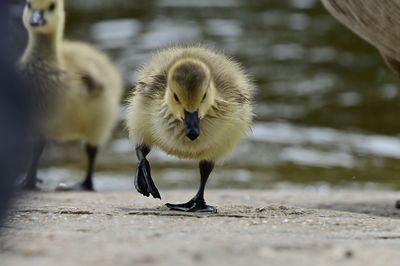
[(326, 104)]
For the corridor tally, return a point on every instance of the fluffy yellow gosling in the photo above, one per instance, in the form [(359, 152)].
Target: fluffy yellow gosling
[(76, 89), (192, 103)]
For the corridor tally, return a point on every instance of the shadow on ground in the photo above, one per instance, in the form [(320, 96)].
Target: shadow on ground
[(382, 208)]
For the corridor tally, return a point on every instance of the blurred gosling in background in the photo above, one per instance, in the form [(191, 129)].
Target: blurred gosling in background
[(76, 89), (192, 103)]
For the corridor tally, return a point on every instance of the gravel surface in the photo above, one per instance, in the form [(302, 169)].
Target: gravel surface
[(280, 227)]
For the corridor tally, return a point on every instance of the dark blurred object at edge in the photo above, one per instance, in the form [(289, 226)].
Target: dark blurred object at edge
[(14, 116)]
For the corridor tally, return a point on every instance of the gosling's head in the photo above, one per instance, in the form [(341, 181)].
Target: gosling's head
[(44, 16), (190, 92)]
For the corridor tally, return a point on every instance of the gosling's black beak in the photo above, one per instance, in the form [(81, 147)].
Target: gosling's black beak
[(37, 18), (192, 125)]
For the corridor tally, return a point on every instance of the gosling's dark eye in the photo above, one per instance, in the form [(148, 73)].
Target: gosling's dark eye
[(29, 5), (52, 6), (204, 97), (176, 98)]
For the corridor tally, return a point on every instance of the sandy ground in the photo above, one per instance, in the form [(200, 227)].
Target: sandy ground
[(283, 227)]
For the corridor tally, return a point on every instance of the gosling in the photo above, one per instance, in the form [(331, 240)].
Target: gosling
[(75, 89), (192, 103)]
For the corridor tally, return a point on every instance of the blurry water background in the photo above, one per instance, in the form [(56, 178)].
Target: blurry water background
[(327, 107)]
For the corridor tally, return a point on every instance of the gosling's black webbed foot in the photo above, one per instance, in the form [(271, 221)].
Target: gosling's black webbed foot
[(192, 206), (78, 187), (143, 182)]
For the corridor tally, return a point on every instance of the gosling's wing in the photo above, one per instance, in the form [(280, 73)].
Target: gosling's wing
[(92, 69), (151, 87), (234, 87), (232, 81), (90, 83)]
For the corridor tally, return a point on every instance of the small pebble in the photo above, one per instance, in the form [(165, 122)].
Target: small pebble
[(348, 254), (261, 209)]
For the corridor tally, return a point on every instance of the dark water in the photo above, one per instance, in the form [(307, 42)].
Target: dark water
[(326, 105)]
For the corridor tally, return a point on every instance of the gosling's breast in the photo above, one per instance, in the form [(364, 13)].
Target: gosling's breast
[(213, 142)]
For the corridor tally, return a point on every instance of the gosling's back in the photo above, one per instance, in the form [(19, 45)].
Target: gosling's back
[(90, 102), (229, 77)]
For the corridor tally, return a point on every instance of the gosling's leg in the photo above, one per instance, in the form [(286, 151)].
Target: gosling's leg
[(87, 184), (31, 178), (197, 203), (143, 182), (91, 152)]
